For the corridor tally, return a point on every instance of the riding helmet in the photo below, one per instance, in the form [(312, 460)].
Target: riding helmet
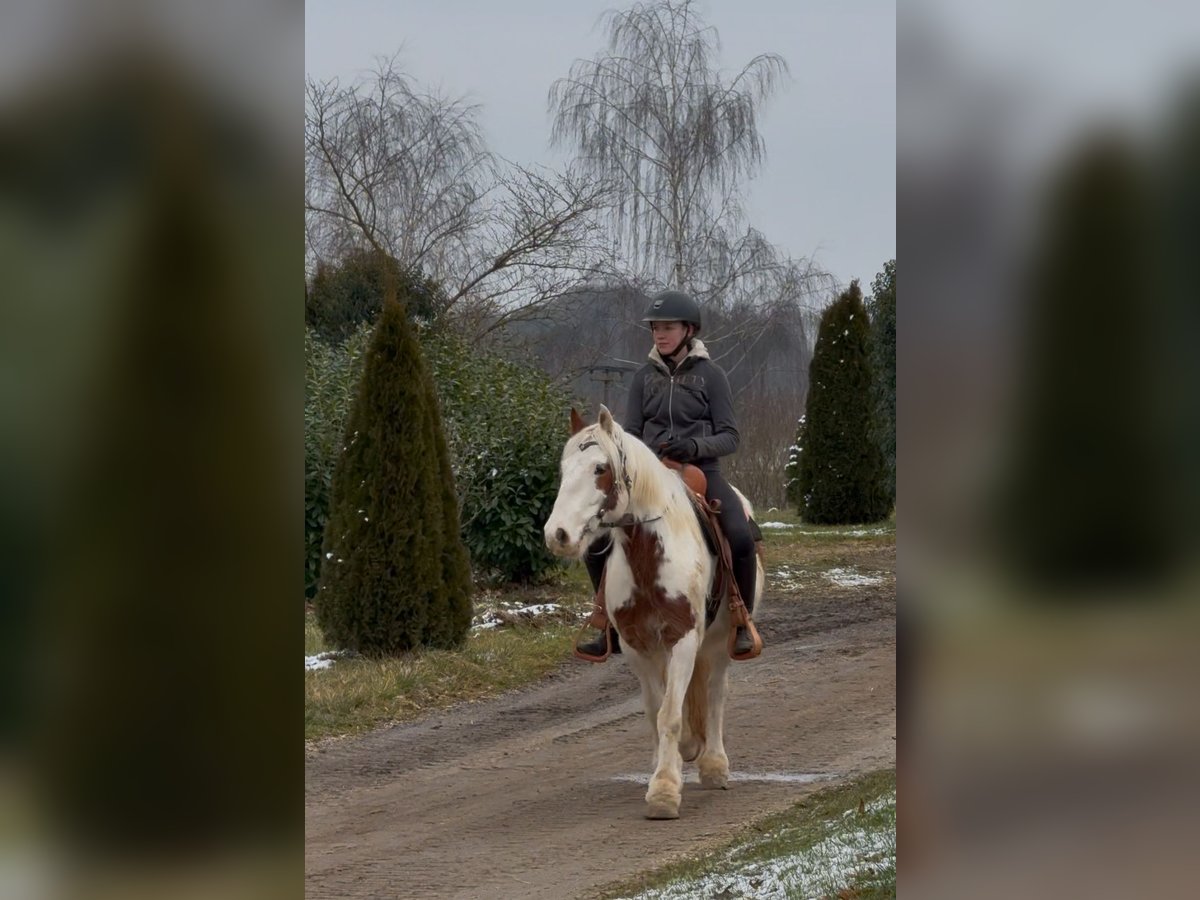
[(673, 306)]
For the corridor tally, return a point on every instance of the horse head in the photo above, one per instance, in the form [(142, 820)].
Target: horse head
[(594, 490)]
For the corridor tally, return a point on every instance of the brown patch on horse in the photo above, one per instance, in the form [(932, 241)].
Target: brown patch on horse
[(651, 619), (606, 485), (577, 423)]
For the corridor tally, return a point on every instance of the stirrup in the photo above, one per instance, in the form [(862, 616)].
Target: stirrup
[(738, 616), (579, 654)]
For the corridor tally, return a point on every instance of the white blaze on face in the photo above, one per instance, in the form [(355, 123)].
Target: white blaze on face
[(579, 499)]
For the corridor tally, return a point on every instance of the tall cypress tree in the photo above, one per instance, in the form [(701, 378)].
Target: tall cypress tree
[(1087, 488), (883, 363), (841, 468), (394, 573)]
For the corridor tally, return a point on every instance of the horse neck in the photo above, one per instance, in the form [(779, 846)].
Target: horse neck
[(654, 489)]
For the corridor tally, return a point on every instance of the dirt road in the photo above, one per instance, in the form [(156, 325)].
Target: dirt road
[(536, 794)]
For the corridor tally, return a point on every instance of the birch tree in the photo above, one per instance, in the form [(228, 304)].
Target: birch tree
[(653, 116)]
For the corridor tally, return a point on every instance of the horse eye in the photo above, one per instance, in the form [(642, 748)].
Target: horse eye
[(601, 468)]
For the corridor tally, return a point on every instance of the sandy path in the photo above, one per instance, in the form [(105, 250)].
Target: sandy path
[(535, 794)]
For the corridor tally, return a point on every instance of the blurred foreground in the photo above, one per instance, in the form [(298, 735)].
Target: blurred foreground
[(1049, 450), (150, 251)]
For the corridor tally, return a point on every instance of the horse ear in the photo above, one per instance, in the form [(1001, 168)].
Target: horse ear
[(577, 424), (606, 419)]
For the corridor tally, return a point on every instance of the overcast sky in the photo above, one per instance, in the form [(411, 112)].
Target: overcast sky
[(828, 187)]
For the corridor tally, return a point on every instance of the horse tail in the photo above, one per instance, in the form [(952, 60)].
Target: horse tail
[(695, 705)]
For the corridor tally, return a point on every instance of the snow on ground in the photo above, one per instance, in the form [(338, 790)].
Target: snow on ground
[(851, 577), (819, 871), (782, 777), (324, 660), (849, 532), (493, 617)]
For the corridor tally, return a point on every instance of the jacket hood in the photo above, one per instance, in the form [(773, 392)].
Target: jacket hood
[(698, 351)]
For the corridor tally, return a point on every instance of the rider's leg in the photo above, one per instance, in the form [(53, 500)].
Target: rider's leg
[(741, 548), (594, 559)]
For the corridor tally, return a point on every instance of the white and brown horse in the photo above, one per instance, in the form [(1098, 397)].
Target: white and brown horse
[(656, 583)]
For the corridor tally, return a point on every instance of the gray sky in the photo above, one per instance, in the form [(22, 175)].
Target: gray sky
[(828, 187)]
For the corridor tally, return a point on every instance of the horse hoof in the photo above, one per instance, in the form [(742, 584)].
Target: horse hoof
[(714, 773), (662, 808)]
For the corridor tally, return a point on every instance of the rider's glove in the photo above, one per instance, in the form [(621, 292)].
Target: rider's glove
[(681, 449)]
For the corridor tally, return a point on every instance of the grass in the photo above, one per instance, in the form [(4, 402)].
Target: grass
[(356, 694), (838, 843)]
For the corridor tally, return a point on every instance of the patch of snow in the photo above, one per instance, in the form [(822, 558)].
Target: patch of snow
[(776, 777), (324, 660), (851, 578), (775, 525), (493, 618)]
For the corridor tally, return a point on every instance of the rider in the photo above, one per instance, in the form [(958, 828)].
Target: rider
[(680, 406)]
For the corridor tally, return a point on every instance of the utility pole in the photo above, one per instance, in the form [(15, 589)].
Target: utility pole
[(607, 373)]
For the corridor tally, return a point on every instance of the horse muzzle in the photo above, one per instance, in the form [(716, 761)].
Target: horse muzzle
[(561, 544)]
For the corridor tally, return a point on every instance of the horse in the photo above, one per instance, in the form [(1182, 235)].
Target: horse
[(656, 582)]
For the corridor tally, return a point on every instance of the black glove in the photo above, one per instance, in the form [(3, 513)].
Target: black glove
[(681, 449)]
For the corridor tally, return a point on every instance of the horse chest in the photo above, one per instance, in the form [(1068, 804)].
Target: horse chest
[(652, 616)]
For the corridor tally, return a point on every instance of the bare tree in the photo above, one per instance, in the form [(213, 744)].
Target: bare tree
[(653, 116), (408, 174), (392, 168)]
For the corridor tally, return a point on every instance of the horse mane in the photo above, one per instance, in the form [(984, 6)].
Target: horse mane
[(655, 487)]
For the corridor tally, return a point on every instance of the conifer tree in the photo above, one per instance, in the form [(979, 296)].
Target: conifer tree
[(841, 468), (394, 573), (883, 363), (1086, 493)]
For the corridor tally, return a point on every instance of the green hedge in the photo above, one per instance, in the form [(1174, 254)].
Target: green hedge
[(505, 425), (331, 373)]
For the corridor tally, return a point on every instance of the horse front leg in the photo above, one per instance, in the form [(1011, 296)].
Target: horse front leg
[(666, 784)]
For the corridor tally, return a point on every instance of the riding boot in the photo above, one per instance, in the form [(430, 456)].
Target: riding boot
[(743, 642), (596, 646)]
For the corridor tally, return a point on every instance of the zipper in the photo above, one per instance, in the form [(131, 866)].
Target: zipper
[(671, 406)]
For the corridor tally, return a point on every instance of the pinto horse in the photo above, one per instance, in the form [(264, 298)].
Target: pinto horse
[(657, 580)]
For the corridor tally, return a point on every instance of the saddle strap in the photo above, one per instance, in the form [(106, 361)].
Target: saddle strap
[(724, 584)]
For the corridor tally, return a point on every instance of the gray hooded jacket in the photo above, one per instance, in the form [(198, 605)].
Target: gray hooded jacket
[(694, 402)]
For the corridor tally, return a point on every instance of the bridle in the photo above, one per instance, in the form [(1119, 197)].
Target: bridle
[(628, 520)]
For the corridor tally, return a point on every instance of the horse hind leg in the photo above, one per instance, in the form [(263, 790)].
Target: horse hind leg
[(695, 709), (713, 763)]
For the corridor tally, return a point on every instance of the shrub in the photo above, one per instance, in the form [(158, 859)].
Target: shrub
[(348, 294), (496, 415), (394, 573), (505, 426), (331, 374)]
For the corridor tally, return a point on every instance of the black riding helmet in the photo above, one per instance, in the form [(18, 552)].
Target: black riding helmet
[(674, 306)]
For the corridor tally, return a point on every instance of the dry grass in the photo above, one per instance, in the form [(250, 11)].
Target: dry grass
[(357, 694)]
